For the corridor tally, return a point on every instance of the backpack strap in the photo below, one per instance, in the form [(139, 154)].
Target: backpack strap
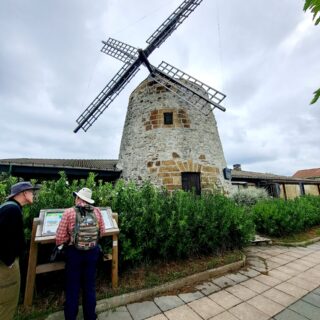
[(76, 224), (9, 202)]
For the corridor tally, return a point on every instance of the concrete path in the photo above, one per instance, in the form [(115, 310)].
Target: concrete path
[(281, 283)]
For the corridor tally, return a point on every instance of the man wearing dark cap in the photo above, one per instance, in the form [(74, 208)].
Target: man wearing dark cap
[(12, 245)]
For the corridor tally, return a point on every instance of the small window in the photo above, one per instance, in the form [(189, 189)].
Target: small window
[(168, 117)]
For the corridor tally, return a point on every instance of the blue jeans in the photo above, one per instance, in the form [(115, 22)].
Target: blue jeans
[(81, 273)]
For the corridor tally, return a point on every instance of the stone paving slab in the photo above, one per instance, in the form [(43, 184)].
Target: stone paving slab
[(303, 283), (205, 307), (120, 313), (188, 297), (225, 299), (273, 265), (223, 282), (279, 275), (224, 316), (268, 280), (290, 271), (291, 289), (255, 286), (208, 288), (237, 277), (306, 309), (158, 317), (143, 310), (289, 315), (249, 272), (312, 298), (245, 311), (265, 305), (297, 266), (182, 313), (166, 303), (241, 292), (279, 260), (279, 297)]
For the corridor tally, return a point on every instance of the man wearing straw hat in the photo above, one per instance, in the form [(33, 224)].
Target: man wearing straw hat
[(12, 245), (79, 229)]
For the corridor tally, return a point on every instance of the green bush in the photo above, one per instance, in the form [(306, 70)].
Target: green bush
[(154, 223), (280, 217)]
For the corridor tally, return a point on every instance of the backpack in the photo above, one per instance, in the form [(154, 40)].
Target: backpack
[(86, 229)]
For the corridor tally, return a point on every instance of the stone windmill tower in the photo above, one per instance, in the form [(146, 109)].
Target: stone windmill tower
[(170, 135)]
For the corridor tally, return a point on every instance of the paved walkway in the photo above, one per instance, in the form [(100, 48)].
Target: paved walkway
[(280, 283)]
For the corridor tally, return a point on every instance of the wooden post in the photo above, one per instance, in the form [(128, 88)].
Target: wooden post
[(285, 191), (114, 261), (32, 264)]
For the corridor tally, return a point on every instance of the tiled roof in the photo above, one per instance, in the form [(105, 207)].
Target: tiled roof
[(250, 175), (97, 164), (307, 173)]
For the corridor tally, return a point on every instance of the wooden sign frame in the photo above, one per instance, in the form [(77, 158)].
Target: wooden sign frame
[(37, 237)]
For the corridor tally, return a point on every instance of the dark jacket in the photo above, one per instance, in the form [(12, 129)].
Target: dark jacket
[(12, 241)]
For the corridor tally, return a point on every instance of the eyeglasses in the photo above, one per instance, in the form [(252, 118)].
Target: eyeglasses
[(30, 191)]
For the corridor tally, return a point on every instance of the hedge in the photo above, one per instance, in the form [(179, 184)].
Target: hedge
[(154, 224)]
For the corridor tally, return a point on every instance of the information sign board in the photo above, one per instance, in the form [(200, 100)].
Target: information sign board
[(50, 222), (52, 217)]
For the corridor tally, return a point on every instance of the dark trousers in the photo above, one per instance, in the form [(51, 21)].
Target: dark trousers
[(81, 273)]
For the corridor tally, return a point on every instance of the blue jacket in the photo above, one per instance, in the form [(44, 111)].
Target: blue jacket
[(12, 240)]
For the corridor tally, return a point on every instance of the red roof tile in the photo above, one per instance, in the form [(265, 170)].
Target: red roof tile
[(307, 173)]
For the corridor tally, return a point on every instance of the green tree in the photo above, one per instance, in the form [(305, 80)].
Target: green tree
[(314, 7)]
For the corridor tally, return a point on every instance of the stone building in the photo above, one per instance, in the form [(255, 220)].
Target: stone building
[(171, 143)]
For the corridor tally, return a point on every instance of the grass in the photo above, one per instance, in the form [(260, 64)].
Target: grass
[(299, 237), (49, 296)]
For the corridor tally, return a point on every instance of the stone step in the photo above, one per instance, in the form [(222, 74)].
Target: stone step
[(258, 240)]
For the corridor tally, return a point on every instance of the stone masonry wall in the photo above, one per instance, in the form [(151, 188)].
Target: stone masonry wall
[(152, 150), (169, 173)]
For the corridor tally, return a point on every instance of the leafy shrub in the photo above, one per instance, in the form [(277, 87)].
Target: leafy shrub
[(280, 217), (154, 224), (249, 196)]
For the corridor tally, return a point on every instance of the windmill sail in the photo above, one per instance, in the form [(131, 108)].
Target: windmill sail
[(106, 96), (120, 50), (171, 24), (188, 88), (133, 58)]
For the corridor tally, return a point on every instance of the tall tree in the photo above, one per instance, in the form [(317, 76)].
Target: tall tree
[(314, 7)]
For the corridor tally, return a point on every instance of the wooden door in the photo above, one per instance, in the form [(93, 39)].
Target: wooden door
[(191, 182)]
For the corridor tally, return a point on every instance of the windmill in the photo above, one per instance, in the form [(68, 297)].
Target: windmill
[(165, 74), (170, 136)]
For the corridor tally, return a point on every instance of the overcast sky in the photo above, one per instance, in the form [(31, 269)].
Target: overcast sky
[(264, 55)]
